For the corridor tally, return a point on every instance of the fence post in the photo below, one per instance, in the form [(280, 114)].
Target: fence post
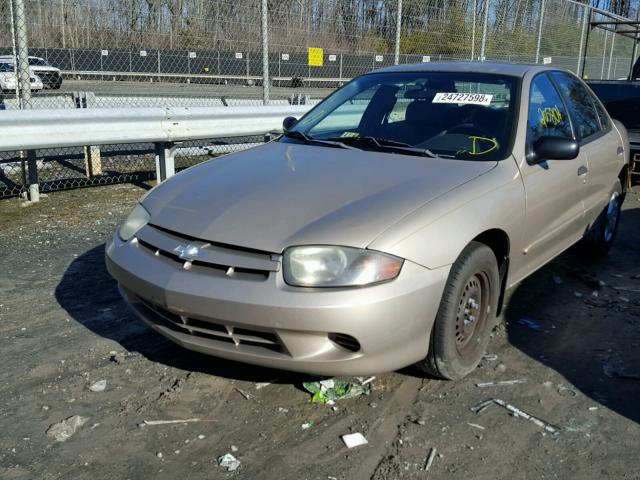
[(580, 52), (473, 29), (604, 53), (484, 30), (265, 53), (540, 30), (613, 42), (586, 44), (396, 58), (24, 83)]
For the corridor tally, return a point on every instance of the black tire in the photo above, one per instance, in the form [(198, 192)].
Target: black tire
[(600, 237), (457, 343)]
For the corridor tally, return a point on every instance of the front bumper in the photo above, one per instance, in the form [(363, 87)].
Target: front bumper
[(263, 321)]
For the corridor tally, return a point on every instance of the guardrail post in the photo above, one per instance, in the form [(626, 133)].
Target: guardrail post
[(92, 161), (165, 160), (34, 186)]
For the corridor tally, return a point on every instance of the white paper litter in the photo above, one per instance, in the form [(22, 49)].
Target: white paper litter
[(354, 440)]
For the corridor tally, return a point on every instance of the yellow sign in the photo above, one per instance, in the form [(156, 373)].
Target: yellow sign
[(316, 57)]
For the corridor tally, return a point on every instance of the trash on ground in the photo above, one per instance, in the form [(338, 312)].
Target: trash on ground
[(368, 380), (234, 449), (566, 391), (308, 425), (530, 324), (500, 383), (577, 294), (333, 389), (354, 440), (591, 281), (62, 431), (429, 462), (516, 412), (98, 386), (490, 357), (246, 395), (627, 289), (260, 385), (229, 462), (169, 422), (475, 425), (159, 454)]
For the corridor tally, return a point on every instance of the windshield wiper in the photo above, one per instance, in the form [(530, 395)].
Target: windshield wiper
[(385, 144), (309, 140)]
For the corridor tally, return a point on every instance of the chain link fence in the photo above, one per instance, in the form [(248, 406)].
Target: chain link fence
[(136, 53)]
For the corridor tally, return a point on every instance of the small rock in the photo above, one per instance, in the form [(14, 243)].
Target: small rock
[(577, 294), (98, 386), (228, 461), (159, 454), (62, 431), (234, 449), (201, 437)]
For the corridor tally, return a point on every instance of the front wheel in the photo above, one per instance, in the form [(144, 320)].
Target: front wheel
[(600, 237), (466, 315)]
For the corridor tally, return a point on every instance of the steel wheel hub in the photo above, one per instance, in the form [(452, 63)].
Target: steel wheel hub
[(472, 311)]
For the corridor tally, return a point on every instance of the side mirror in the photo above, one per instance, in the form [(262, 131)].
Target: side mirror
[(553, 148), (288, 123)]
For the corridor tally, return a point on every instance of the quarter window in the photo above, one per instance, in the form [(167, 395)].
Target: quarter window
[(582, 109), (547, 114)]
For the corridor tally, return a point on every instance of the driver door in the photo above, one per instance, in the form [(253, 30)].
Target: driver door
[(554, 189)]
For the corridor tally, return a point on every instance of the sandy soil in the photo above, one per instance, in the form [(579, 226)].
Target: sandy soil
[(61, 319)]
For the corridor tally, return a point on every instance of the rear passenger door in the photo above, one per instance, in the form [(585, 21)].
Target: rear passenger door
[(599, 142), (554, 188)]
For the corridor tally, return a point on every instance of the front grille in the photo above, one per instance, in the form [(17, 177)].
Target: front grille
[(218, 332), (224, 260)]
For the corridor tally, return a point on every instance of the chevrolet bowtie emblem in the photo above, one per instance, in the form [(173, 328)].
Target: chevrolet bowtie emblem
[(188, 252)]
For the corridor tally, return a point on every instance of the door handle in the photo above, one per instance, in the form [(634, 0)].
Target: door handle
[(582, 170)]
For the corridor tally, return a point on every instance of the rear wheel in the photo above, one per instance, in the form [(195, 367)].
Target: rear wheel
[(466, 314), (600, 237)]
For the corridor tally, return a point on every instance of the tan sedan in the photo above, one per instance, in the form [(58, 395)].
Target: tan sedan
[(384, 226)]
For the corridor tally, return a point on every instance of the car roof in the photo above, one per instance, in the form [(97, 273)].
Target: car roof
[(513, 69)]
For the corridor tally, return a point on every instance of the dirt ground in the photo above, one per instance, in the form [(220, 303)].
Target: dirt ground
[(63, 327)]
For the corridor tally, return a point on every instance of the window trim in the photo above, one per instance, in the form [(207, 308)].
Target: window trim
[(601, 131)]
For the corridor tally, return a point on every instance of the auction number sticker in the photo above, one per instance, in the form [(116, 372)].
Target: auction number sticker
[(463, 98)]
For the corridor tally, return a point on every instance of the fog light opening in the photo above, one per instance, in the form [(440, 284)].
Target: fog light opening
[(345, 341)]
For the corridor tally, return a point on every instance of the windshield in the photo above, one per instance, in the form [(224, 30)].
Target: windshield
[(449, 114), (5, 67)]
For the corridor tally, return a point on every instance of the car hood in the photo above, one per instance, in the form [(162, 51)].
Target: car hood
[(282, 194)]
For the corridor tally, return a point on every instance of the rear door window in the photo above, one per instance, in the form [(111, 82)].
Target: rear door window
[(547, 113), (583, 111)]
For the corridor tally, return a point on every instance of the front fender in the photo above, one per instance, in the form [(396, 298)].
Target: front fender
[(435, 234)]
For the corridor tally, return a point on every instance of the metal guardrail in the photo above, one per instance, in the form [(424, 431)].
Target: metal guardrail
[(30, 130)]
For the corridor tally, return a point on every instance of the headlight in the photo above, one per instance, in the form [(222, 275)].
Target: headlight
[(137, 219), (327, 266)]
